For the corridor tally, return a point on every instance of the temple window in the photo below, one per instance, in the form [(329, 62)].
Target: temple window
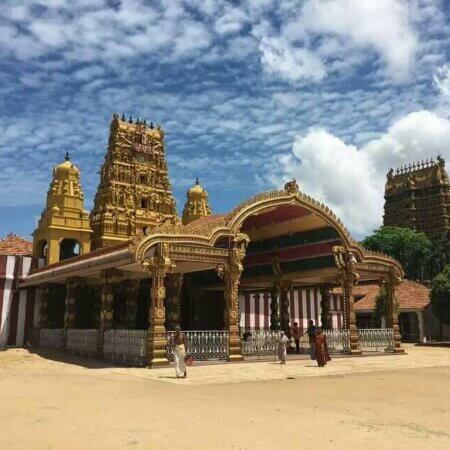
[(144, 203)]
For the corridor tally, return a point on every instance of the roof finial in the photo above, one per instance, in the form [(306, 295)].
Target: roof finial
[(67, 157), (197, 182)]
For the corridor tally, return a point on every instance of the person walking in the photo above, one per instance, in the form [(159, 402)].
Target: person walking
[(283, 342), (296, 333), (179, 352), (322, 354), (311, 332)]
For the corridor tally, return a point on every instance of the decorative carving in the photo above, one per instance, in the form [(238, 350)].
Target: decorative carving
[(135, 155), (291, 187), (231, 274), (347, 277)]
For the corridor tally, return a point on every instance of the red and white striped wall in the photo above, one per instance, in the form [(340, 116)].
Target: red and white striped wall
[(19, 308), (304, 305)]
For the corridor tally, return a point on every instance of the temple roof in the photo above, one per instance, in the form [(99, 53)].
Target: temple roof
[(409, 294), (15, 245)]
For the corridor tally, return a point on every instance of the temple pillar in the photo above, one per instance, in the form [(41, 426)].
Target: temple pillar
[(285, 317), (159, 266), (231, 274), (391, 282), (325, 318), (347, 277), (174, 284), (70, 313), (132, 290), (106, 312), (274, 314), (43, 307)]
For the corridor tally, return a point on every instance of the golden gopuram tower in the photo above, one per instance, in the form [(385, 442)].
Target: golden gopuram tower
[(197, 204), (418, 196), (63, 230), (134, 190)]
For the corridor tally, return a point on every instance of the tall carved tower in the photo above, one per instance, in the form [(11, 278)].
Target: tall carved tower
[(134, 190), (63, 230), (418, 197), (197, 204)]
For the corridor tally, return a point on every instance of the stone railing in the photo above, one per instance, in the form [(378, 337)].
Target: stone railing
[(338, 341), (82, 342), (259, 342), (127, 347), (376, 339), (51, 338), (202, 345)]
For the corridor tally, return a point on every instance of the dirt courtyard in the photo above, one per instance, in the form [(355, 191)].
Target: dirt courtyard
[(379, 402)]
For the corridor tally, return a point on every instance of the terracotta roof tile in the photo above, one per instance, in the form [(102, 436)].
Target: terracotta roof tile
[(15, 245), (410, 295), (204, 220)]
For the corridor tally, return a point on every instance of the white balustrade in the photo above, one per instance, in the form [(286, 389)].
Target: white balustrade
[(376, 339), (202, 345), (127, 347), (82, 342), (338, 341), (260, 342), (51, 338)]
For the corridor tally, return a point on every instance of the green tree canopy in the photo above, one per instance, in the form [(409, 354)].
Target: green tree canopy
[(440, 295), (411, 248)]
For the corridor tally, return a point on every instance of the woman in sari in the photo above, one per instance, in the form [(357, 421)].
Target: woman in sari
[(321, 348)]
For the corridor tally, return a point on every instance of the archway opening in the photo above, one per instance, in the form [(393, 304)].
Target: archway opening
[(68, 248)]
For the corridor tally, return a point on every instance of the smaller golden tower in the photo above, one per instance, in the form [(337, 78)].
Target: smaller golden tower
[(197, 204), (63, 230)]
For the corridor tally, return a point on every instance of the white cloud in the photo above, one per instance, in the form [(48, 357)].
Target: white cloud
[(351, 180), (293, 64), (441, 80)]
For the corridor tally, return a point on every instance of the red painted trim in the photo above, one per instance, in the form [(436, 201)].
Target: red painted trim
[(257, 318), (247, 310), (293, 253)]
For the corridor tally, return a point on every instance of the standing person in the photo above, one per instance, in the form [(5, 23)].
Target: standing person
[(180, 353), (283, 342), (311, 332), (322, 354), (296, 333)]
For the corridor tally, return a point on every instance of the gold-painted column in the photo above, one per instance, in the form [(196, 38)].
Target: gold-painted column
[(106, 312), (174, 284), (347, 277), (159, 267), (325, 307), (231, 274), (43, 308), (70, 313), (391, 282), (285, 317), (274, 314), (132, 291)]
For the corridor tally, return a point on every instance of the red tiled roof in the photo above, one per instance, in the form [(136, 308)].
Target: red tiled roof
[(410, 295), (15, 245)]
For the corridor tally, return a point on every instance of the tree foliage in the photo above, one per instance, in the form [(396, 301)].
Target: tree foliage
[(381, 303), (412, 249), (440, 295)]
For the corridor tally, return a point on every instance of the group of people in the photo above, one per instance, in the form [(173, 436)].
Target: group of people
[(317, 343)]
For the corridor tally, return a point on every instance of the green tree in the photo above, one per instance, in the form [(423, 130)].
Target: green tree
[(440, 254), (440, 295), (412, 249), (381, 303)]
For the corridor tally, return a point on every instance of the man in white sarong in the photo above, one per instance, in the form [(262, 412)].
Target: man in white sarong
[(283, 342), (180, 353)]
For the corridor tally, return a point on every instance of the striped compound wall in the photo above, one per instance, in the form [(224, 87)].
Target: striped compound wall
[(304, 305), (19, 309)]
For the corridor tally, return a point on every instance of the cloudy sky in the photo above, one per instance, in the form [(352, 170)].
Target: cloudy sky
[(333, 92)]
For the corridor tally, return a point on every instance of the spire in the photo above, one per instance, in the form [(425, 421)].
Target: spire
[(197, 203), (67, 157)]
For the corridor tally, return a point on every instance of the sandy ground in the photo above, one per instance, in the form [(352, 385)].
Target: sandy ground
[(380, 402)]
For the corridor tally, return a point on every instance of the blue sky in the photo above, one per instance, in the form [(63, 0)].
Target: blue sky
[(333, 92)]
